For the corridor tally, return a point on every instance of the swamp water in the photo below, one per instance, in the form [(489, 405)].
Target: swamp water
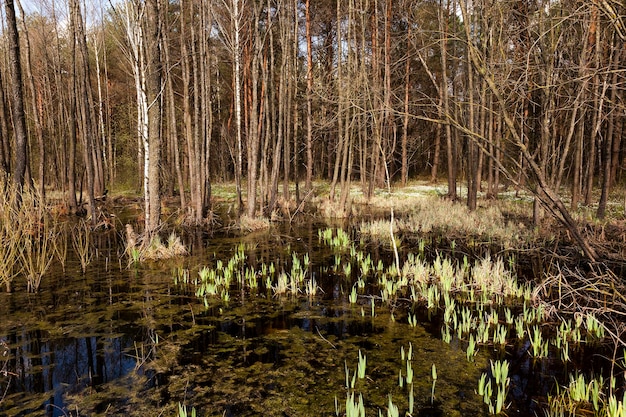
[(283, 337)]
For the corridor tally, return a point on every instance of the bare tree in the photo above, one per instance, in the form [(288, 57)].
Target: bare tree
[(231, 29), (141, 25), (17, 96)]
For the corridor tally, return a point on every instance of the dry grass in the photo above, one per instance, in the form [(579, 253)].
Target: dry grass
[(330, 209), (427, 214), (253, 224), (139, 249)]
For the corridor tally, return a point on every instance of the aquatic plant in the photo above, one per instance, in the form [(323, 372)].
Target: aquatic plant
[(499, 372), (353, 296), (409, 372), (362, 365), (347, 269), (81, 242), (392, 409), (508, 316), (183, 412), (350, 382), (311, 288), (282, 284), (253, 224), (446, 336), (354, 408), (615, 408), (139, 250), (412, 319), (539, 346), (500, 334), (471, 348), (339, 240), (594, 327), (38, 252), (434, 376), (10, 252)]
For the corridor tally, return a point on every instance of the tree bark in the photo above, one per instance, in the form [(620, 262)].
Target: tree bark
[(17, 96), (309, 98), (443, 28), (153, 92)]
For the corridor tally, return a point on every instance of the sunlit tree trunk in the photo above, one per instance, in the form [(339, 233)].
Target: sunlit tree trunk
[(253, 136), (607, 144), (309, 98), (5, 143), (172, 121), (236, 22), (450, 146), (152, 144), (405, 118), (85, 121)]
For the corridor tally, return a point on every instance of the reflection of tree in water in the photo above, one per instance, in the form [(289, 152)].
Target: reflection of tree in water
[(34, 362), (5, 374)]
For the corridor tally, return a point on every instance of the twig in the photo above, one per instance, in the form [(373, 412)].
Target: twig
[(323, 338), (300, 206)]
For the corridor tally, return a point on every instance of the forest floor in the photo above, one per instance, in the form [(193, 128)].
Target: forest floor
[(421, 206)]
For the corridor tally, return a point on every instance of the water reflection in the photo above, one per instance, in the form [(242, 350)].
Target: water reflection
[(77, 343), (79, 332)]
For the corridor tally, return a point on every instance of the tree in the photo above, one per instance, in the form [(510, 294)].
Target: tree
[(17, 96), (153, 88), (231, 29), (141, 22)]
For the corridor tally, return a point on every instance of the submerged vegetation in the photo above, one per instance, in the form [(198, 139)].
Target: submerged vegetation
[(378, 319), (480, 305)]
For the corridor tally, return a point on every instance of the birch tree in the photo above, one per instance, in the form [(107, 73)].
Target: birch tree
[(231, 29), (141, 25)]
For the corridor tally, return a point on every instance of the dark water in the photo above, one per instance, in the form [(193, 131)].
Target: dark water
[(120, 340)]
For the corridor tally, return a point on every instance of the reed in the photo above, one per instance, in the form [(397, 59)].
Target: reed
[(82, 244), (10, 253), (38, 252)]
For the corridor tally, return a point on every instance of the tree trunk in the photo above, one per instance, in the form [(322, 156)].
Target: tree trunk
[(443, 27), (152, 152), (172, 121), (607, 147), (236, 19), (309, 99), (405, 124), (17, 96), (84, 109), (35, 99)]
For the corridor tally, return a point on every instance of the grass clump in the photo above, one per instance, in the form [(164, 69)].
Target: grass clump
[(253, 224), (28, 236), (139, 249), (429, 214)]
